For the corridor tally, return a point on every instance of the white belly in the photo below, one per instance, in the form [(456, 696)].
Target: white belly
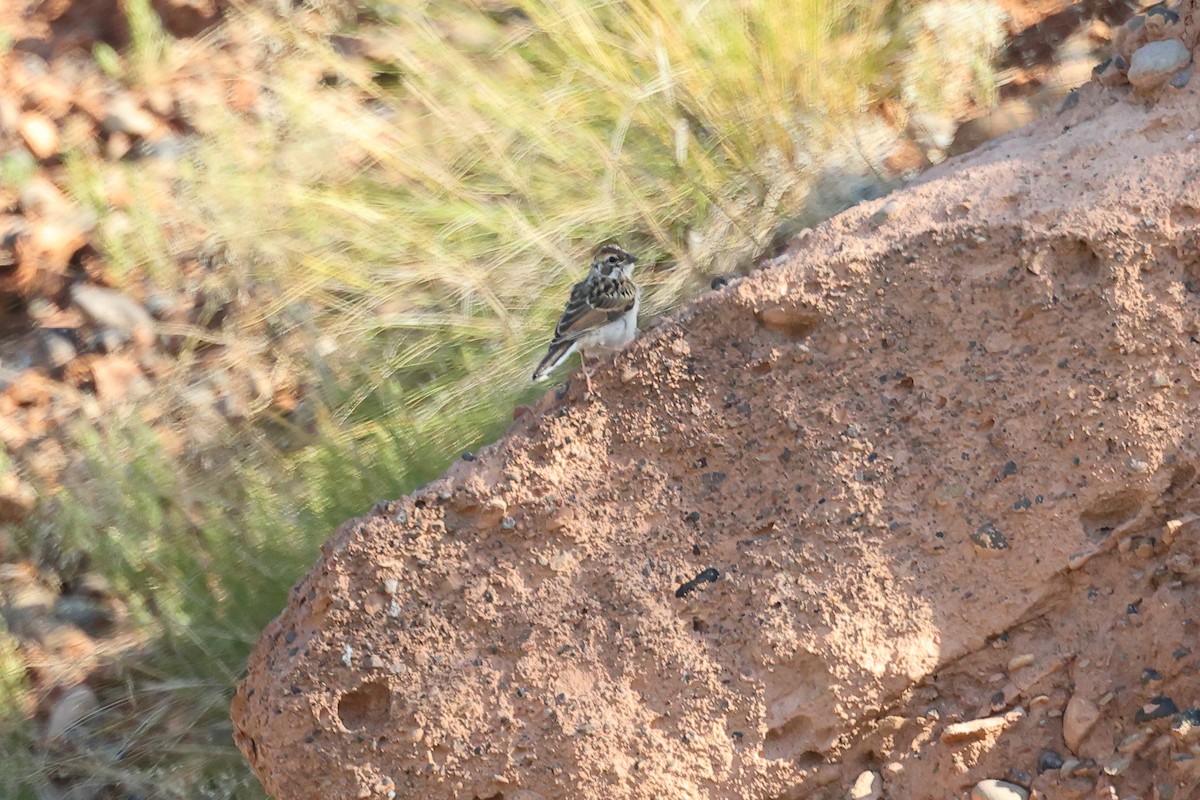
[(615, 335)]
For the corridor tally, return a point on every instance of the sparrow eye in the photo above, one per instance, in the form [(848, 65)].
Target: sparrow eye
[(612, 259)]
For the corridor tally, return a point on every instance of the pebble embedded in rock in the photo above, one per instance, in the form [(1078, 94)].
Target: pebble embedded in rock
[(1020, 662), (989, 537), (1109, 72), (1020, 777), (867, 786), (1182, 78), (1118, 764), (1186, 726), (709, 575), (1158, 708), (993, 789), (1161, 23), (1134, 741), (1078, 719), (1154, 63), (972, 729)]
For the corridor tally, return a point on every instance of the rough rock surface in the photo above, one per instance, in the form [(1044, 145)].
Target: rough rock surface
[(944, 464), (1154, 63)]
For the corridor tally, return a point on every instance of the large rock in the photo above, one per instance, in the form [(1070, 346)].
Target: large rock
[(1153, 64), (542, 622)]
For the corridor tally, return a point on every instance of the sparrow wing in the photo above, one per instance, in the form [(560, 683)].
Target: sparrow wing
[(594, 303)]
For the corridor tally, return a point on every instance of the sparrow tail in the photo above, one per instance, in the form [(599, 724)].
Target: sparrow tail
[(557, 354)]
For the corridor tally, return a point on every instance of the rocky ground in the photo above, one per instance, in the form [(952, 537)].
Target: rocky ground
[(911, 513)]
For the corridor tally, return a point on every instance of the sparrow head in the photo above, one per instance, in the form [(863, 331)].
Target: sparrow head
[(612, 261)]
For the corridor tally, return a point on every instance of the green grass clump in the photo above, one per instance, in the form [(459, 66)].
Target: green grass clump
[(17, 764), (401, 229)]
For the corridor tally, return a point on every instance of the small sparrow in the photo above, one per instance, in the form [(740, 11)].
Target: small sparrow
[(601, 315)]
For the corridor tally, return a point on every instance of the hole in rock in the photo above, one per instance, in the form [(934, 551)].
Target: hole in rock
[(365, 707), (1109, 513), (796, 323), (1084, 256), (1182, 478), (800, 709)]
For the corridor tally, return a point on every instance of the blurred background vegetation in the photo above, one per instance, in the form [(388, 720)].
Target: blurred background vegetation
[(355, 225)]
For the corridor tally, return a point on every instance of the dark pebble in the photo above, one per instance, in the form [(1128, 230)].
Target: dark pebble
[(1049, 759), (1187, 719), (1182, 652), (468, 456), (709, 575), (1169, 16), (1020, 777), (1150, 676), (1157, 708), (1010, 468), (718, 282), (989, 537), (289, 637), (693, 517)]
